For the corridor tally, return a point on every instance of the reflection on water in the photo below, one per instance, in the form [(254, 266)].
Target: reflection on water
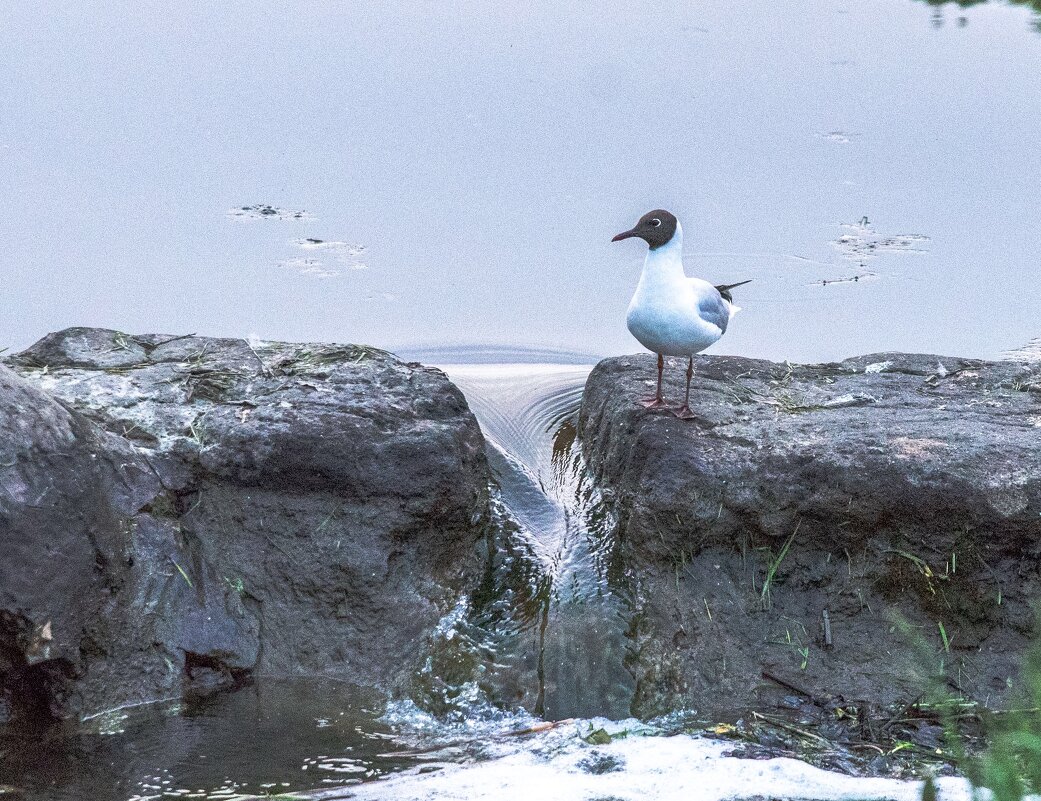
[(939, 20)]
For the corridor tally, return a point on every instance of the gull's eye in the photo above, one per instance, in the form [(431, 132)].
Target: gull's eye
[(654, 223)]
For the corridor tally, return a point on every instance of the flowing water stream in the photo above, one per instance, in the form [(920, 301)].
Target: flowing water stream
[(574, 628)]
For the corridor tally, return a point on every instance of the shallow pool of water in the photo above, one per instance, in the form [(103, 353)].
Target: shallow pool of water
[(268, 737)]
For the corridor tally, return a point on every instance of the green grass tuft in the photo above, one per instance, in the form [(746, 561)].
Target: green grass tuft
[(1010, 767), (772, 566), (1010, 764)]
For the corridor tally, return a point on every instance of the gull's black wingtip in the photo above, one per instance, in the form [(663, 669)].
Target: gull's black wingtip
[(724, 289)]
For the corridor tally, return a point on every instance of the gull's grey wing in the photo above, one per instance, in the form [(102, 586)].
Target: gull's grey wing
[(713, 309)]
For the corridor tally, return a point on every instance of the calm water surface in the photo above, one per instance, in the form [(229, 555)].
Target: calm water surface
[(263, 739), (469, 163)]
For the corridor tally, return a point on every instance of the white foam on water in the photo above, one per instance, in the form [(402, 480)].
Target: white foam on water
[(345, 258), (841, 137), (674, 768), (483, 724)]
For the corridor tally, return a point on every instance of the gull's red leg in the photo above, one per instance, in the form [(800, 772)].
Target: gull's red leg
[(684, 412), (657, 402)]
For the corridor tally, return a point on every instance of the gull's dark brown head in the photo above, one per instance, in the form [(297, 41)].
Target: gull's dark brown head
[(655, 228)]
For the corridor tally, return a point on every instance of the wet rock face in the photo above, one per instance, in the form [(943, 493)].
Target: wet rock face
[(883, 485), (70, 496), (179, 513)]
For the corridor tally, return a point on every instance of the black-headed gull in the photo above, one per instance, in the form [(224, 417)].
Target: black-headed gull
[(672, 314)]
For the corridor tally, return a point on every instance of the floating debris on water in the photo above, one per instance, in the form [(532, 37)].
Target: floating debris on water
[(840, 137), (864, 242), (264, 211), (849, 279), (344, 249), (344, 256)]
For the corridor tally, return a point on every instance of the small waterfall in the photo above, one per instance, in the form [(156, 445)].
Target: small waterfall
[(550, 625)]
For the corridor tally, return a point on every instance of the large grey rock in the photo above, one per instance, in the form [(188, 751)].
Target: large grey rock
[(179, 512), (895, 486)]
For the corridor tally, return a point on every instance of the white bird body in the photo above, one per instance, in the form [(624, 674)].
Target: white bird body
[(671, 313)]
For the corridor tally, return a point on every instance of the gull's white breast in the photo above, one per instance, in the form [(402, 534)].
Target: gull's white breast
[(664, 313), (665, 320)]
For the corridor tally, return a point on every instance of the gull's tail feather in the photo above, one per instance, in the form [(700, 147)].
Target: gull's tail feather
[(724, 289)]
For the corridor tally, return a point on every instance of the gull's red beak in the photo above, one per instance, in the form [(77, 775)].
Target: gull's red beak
[(623, 235)]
